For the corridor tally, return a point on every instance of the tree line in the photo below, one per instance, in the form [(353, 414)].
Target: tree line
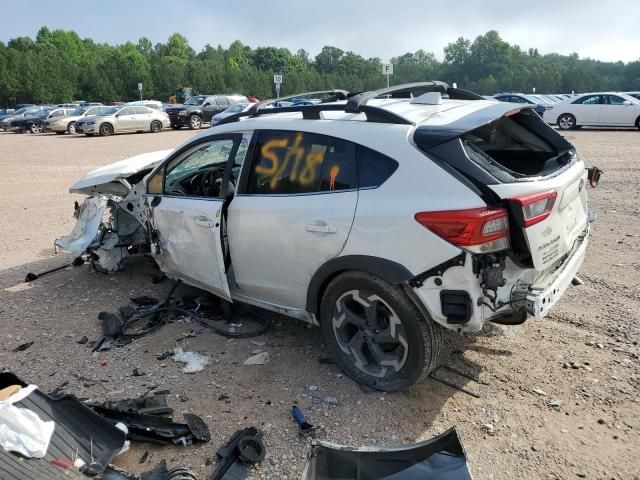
[(59, 66)]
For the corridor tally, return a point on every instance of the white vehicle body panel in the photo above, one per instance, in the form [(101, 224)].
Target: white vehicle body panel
[(597, 114), (111, 179)]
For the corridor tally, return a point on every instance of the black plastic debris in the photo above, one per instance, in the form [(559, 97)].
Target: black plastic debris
[(22, 347), (440, 458), (157, 429), (153, 405), (34, 276), (239, 454), (162, 473), (145, 301), (79, 435)]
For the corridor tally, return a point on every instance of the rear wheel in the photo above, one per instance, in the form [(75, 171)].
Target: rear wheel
[(71, 128), (106, 129), (638, 123), (35, 128), (376, 333), (566, 121), (195, 122), (155, 126)]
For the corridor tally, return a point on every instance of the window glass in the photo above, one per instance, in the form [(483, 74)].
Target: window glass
[(374, 168), (127, 111), (291, 163), (214, 154), (222, 101), (588, 100), (141, 110), (613, 100), (156, 183)]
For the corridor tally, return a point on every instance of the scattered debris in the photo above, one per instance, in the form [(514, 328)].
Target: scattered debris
[(164, 355), (540, 392), (457, 379), (137, 373), (194, 362), (488, 428), (162, 473), (83, 340), (239, 454), (154, 405), (306, 429), (145, 301), (22, 347), (555, 403), (258, 359), (58, 389), (144, 457), (441, 457), (34, 276)]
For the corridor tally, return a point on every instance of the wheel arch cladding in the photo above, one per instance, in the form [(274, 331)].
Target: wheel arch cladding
[(388, 270)]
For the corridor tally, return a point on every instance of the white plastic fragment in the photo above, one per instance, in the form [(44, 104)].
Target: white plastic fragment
[(194, 362), (258, 359)]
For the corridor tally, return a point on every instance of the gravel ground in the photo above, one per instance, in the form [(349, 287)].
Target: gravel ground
[(563, 399)]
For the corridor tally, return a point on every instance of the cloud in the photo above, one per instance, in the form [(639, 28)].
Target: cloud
[(373, 28)]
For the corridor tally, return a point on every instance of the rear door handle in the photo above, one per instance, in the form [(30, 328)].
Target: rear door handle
[(204, 222), (320, 228)]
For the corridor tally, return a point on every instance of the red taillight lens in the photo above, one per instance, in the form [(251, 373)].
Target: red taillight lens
[(536, 207), (478, 229)]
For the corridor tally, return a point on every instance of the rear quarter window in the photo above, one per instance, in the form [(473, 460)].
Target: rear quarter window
[(374, 168)]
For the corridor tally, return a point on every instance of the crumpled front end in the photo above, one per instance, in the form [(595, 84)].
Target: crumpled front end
[(111, 224)]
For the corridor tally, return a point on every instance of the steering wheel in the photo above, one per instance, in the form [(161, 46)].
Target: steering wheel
[(211, 183)]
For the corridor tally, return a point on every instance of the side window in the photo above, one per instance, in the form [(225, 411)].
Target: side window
[(222, 101), (588, 100), (183, 173), (127, 111), (374, 168), (613, 100), (293, 163)]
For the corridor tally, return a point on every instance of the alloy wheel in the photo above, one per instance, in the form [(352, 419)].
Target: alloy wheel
[(369, 330)]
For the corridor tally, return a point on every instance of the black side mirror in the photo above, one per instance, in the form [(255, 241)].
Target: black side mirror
[(156, 201)]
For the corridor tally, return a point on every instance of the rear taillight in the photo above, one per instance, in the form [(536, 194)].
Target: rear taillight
[(478, 230), (536, 207)]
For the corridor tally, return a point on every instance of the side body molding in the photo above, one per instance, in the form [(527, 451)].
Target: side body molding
[(388, 270)]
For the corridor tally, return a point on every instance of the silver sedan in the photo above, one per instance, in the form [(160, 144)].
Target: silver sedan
[(122, 119)]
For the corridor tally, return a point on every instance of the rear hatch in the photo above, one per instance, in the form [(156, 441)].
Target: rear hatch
[(514, 159)]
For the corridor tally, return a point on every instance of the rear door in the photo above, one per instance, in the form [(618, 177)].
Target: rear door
[(186, 212), (586, 109), (143, 118), (126, 119), (292, 213), (613, 111)]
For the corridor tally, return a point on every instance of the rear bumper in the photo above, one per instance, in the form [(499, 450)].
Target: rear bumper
[(541, 298)]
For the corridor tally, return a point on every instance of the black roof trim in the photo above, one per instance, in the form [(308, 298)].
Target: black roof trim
[(428, 136)]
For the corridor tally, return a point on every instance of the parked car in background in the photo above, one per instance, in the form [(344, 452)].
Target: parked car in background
[(68, 105), (634, 94), (121, 119), (22, 105), (67, 122), (6, 111), (35, 123), (233, 109), (607, 109), (351, 223), (5, 122), (84, 104), (200, 109), (523, 98)]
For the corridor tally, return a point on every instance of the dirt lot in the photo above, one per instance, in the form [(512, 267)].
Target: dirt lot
[(583, 422)]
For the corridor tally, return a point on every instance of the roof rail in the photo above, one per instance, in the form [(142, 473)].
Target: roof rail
[(355, 103)]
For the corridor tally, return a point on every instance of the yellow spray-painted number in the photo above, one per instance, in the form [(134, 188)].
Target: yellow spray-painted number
[(302, 169)]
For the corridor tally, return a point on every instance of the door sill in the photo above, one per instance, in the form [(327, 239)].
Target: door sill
[(297, 313)]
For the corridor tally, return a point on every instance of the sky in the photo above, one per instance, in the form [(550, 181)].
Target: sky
[(608, 31)]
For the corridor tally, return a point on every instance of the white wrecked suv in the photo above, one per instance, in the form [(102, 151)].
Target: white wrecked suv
[(383, 218)]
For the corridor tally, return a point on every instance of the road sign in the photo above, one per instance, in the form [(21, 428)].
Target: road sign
[(277, 79), (387, 69), (140, 86)]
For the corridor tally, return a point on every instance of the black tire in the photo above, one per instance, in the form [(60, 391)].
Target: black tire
[(71, 128), (195, 122), (59, 133), (411, 341), (106, 129), (155, 127), (35, 128), (566, 121), (89, 134), (176, 127), (638, 123)]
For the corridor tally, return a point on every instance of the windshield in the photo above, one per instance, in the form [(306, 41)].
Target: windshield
[(238, 107), (195, 100), (109, 111), (31, 111), (20, 111)]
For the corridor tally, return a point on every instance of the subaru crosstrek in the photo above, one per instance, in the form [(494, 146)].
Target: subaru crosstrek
[(382, 217)]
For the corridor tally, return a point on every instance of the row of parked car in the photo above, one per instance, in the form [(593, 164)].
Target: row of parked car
[(569, 111)]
